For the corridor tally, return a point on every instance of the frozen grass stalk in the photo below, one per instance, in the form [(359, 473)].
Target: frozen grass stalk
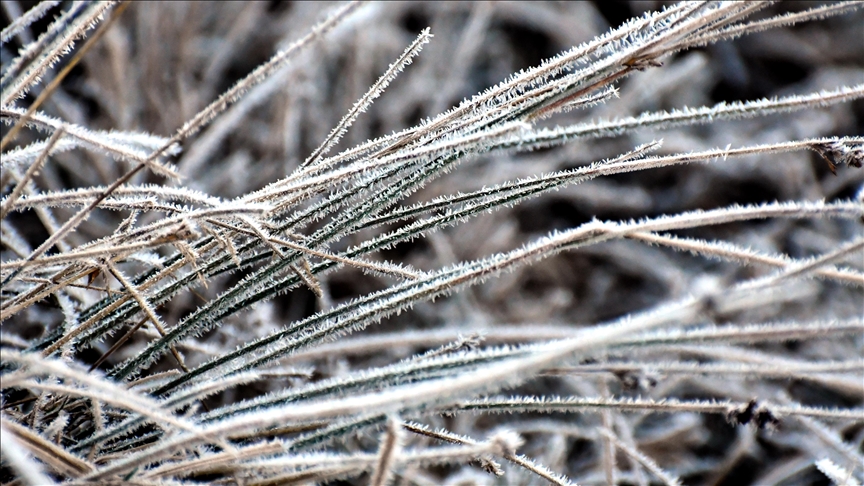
[(350, 260)]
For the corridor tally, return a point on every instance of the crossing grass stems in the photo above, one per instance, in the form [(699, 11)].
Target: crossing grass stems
[(236, 302)]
